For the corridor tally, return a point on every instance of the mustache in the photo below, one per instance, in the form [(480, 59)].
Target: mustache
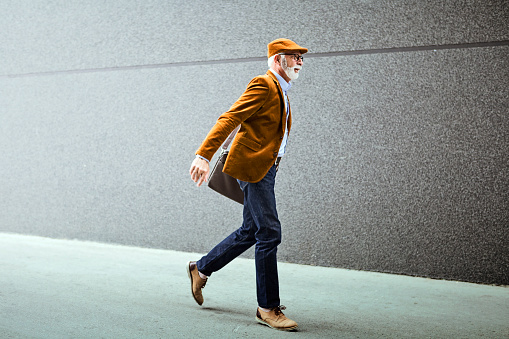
[(297, 67)]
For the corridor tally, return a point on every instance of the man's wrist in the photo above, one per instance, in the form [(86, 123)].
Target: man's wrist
[(199, 156)]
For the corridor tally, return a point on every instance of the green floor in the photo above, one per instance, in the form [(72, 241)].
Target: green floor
[(72, 289)]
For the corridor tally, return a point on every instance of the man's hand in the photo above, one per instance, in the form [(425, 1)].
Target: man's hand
[(199, 171)]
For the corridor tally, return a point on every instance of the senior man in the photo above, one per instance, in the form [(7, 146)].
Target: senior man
[(264, 115)]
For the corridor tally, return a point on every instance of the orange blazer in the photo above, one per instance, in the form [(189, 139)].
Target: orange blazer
[(260, 111)]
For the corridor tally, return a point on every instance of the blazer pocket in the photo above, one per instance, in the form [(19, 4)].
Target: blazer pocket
[(255, 146)]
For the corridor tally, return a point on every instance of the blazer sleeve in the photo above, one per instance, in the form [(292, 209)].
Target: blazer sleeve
[(253, 98)]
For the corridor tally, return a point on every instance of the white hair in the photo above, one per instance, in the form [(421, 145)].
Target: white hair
[(290, 71), (271, 61)]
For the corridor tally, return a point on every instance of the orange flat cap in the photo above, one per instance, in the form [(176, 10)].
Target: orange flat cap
[(284, 45)]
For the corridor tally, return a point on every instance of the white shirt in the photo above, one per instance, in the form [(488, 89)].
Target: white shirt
[(285, 86)]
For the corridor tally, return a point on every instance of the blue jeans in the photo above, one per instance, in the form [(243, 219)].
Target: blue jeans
[(261, 227)]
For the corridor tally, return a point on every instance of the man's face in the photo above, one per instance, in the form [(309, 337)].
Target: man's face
[(292, 64)]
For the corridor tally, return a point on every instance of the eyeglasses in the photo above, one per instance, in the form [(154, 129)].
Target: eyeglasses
[(296, 57)]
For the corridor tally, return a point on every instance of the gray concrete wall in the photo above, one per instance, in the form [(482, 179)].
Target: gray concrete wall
[(397, 161)]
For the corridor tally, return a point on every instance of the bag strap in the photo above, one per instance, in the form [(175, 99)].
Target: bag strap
[(230, 138)]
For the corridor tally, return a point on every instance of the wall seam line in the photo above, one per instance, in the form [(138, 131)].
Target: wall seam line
[(252, 59)]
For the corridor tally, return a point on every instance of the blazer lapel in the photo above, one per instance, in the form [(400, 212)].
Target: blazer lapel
[(282, 101), (289, 114)]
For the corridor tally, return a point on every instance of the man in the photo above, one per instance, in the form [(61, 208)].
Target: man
[(263, 112)]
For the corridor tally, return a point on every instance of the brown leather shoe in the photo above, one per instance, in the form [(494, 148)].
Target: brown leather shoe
[(197, 283), (276, 319)]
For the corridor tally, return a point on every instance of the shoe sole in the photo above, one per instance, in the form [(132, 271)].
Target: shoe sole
[(191, 278), (276, 328)]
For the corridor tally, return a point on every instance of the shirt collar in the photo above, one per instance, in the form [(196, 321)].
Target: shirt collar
[(285, 86)]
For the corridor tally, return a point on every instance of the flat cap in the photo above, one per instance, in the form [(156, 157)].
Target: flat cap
[(284, 45)]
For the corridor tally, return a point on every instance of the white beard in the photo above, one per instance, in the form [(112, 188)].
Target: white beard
[(289, 71)]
